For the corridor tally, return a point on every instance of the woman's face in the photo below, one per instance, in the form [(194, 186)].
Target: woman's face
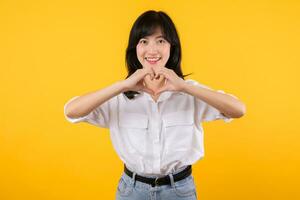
[(153, 50)]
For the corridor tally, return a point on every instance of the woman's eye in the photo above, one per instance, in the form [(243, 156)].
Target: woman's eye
[(161, 41), (143, 41)]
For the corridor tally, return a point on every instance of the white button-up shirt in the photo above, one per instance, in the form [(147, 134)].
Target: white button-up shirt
[(155, 138)]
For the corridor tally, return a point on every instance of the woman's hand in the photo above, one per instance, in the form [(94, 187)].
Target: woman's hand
[(173, 82), (135, 81)]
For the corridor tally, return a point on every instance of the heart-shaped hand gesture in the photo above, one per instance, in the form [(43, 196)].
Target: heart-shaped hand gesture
[(135, 81), (173, 81)]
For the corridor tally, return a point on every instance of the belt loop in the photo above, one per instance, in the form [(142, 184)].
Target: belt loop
[(172, 180), (133, 178)]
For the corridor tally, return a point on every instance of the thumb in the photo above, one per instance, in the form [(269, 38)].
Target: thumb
[(148, 90), (162, 89)]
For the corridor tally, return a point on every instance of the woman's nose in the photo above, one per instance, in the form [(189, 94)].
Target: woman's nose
[(152, 48)]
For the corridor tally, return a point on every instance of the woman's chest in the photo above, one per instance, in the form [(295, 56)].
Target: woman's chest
[(168, 124)]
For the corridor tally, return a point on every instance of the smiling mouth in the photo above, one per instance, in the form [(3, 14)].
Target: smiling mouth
[(152, 60)]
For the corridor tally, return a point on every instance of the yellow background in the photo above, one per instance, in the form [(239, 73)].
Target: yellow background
[(51, 51)]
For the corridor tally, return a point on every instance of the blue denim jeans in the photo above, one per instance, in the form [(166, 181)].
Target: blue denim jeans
[(131, 189)]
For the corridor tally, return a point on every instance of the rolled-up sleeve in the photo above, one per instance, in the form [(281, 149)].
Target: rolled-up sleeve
[(98, 117), (205, 112)]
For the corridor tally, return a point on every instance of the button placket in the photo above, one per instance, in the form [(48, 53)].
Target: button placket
[(156, 139), (156, 125)]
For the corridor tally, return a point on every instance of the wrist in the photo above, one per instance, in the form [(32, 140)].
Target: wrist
[(184, 86), (122, 85)]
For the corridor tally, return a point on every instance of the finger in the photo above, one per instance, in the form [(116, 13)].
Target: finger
[(166, 74), (161, 77), (159, 73), (147, 72), (156, 75), (162, 89), (165, 87), (148, 90), (152, 73), (148, 67)]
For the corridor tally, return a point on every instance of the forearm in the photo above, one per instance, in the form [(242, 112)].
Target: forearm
[(226, 104), (84, 104)]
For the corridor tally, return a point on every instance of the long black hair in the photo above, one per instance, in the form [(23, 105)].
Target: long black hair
[(145, 25)]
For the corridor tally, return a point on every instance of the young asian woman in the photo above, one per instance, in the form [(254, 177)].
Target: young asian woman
[(155, 116)]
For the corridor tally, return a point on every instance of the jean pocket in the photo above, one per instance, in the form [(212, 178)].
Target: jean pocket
[(186, 188), (124, 188)]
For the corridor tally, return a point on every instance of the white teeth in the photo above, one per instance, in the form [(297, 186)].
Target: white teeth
[(153, 59)]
